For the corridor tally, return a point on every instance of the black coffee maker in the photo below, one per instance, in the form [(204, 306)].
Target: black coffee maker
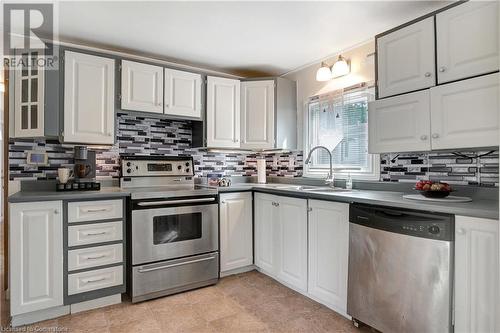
[(84, 169)]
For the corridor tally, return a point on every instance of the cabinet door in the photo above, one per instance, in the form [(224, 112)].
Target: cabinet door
[(464, 114), (400, 123), (223, 112), (476, 275), (292, 242), (257, 114), (266, 233), (29, 98), (89, 90), (36, 256), (328, 253), (406, 59), (182, 93), (142, 87), (467, 40), (235, 230)]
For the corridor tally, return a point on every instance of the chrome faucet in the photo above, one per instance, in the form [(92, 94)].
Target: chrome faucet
[(330, 178)]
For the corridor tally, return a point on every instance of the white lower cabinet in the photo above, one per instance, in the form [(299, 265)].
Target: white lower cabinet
[(292, 241), (281, 238), (329, 253), (36, 256), (266, 233), (235, 230), (476, 275)]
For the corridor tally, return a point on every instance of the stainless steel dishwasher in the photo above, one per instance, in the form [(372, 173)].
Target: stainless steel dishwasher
[(400, 269)]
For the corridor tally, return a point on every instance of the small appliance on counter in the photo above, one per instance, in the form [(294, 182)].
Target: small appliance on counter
[(84, 172)]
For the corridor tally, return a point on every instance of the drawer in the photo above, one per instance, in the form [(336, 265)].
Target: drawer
[(93, 280), (82, 211), (95, 256), (84, 234)]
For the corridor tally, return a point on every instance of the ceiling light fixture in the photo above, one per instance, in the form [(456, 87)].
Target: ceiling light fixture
[(340, 68), (324, 73)]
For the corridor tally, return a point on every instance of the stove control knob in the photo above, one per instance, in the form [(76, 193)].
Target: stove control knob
[(129, 170), (434, 229), (179, 167), (187, 169), (187, 164), (129, 164)]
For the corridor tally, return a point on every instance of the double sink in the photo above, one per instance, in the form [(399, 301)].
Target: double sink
[(307, 188)]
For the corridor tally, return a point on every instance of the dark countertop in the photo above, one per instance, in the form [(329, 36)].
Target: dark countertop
[(105, 192), (484, 208)]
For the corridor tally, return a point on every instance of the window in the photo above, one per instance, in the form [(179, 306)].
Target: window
[(339, 121)]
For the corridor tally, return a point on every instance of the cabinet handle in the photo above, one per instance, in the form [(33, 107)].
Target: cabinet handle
[(309, 209), (56, 211), (94, 280), (461, 231), (223, 202), (423, 137), (435, 135), (95, 233), (442, 69), (96, 210), (96, 257), (427, 74)]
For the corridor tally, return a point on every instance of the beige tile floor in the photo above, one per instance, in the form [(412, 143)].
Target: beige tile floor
[(248, 302)]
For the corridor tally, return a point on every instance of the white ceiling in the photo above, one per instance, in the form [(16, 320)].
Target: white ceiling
[(242, 38)]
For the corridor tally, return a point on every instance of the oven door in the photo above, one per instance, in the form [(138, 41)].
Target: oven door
[(161, 231)]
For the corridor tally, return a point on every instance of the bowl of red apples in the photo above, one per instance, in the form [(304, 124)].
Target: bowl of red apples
[(431, 189)]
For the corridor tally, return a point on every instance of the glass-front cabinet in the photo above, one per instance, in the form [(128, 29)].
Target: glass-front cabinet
[(29, 97)]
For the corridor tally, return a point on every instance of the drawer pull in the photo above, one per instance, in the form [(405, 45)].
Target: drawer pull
[(94, 280), (145, 270), (96, 257), (95, 233), (96, 210)]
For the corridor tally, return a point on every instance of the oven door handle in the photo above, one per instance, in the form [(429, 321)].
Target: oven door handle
[(166, 202), (145, 270)]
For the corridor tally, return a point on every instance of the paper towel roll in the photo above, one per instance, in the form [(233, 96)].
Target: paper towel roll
[(261, 171)]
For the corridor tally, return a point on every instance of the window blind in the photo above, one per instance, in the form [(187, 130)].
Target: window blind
[(339, 121)]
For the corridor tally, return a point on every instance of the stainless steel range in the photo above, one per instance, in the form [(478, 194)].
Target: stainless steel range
[(173, 230)]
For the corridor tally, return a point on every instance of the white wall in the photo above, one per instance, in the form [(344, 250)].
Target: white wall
[(362, 70)]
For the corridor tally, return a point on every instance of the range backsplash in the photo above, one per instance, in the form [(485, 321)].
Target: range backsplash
[(460, 168), (139, 135)]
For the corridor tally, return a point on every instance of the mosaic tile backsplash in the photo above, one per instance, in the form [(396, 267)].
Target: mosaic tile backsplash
[(138, 135), (459, 168)]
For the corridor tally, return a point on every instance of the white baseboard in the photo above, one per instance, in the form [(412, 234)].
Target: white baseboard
[(238, 270), (96, 303), (41, 315)]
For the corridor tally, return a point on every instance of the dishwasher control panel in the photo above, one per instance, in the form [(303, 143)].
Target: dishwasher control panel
[(408, 222)]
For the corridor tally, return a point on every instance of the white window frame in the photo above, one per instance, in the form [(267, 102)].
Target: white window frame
[(322, 172)]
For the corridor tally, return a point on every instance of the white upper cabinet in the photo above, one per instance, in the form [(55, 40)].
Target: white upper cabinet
[(257, 114), (465, 114), (142, 87), (400, 123), (329, 253), (36, 256), (223, 112), (406, 59), (89, 98), (29, 98), (236, 237), (182, 93), (467, 40), (476, 275)]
